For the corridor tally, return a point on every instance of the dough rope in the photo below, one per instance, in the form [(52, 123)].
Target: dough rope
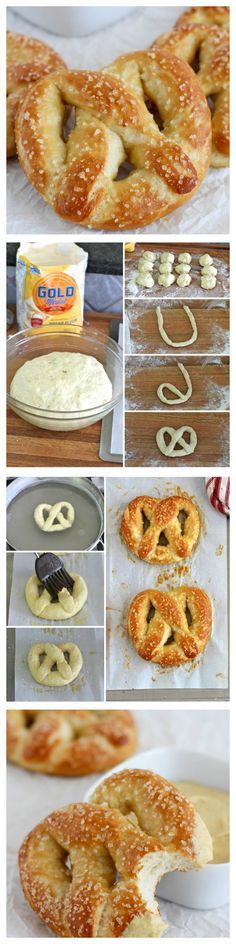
[(180, 397), (165, 336), (176, 436), (56, 519), (48, 664), (68, 604), (170, 628)]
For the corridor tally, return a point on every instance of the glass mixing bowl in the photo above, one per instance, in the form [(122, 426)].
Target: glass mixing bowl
[(25, 346)]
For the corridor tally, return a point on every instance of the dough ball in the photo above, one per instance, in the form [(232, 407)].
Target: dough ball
[(208, 270), (145, 279), (149, 255), (205, 260), (167, 278), (183, 267), (184, 279), (145, 265), (208, 281), (165, 267), (184, 257), (167, 257)]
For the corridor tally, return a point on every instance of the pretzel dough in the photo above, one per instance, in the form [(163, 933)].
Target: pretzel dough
[(149, 255), (182, 267), (56, 520), (176, 436), (63, 381), (184, 257), (167, 257), (161, 531), (207, 282), (166, 279), (180, 397), (165, 337), (48, 664), (205, 260), (145, 279), (208, 270), (170, 628), (68, 604), (165, 267), (184, 279), (146, 265)]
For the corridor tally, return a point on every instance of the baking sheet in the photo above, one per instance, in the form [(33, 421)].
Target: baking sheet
[(127, 575), (36, 795), (88, 564), (143, 337), (88, 686), (175, 291), (207, 212)]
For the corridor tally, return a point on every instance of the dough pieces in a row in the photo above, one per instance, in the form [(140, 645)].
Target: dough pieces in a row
[(145, 267), (208, 272), (166, 277)]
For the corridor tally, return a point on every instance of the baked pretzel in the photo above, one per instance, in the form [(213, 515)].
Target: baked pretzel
[(52, 664), (70, 743), (66, 605), (112, 123), (170, 628), (27, 61), (211, 16), (108, 887), (161, 531), (211, 45)]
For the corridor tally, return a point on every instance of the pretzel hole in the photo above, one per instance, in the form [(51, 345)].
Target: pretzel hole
[(29, 719), (188, 615), (211, 103), (68, 122), (146, 522), (41, 657), (53, 667), (171, 638), (151, 613), (196, 61), (182, 518), (124, 170), (163, 540), (154, 111)]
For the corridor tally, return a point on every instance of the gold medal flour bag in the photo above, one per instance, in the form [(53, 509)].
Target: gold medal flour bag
[(50, 285)]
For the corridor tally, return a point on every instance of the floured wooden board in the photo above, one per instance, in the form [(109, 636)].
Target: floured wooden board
[(142, 334), (209, 378), (220, 257), (212, 431)]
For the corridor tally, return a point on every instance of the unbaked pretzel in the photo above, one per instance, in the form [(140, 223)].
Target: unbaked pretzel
[(56, 519), (88, 871), (70, 743), (48, 663), (66, 605), (161, 531), (177, 444), (170, 628), (28, 59), (211, 16), (112, 123), (211, 44)]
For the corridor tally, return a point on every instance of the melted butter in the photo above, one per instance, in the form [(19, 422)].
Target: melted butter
[(213, 807)]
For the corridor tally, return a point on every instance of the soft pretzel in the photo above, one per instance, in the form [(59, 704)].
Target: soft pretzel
[(66, 605), (28, 60), (70, 743), (56, 520), (52, 664), (115, 863), (211, 43), (112, 123), (161, 531), (206, 15), (170, 628)]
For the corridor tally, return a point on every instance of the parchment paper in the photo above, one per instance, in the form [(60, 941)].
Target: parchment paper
[(88, 686), (127, 575), (89, 565), (32, 796), (207, 212)]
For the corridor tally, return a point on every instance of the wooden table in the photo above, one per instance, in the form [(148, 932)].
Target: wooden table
[(209, 378), (212, 431), (219, 253), (144, 337), (30, 446)]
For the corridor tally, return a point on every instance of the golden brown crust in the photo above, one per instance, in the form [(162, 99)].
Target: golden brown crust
[(210, 16), (28, 60), (211, 44), (113, 123), (69, 743), (170, 628), (161, 531)]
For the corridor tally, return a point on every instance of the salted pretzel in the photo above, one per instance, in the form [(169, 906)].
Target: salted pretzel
[(208, 15), (28, 60), (161, 531), (88, 871), (55, 665), (66, 605), (170, 628), (113, 124), (211, 45), (70, 743)]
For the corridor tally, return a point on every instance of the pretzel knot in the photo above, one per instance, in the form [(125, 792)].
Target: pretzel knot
[(80, 177), (176, 436), (56, 519), (64, 606), (170, 628), (88, 871), (161, 530), (52, 664)]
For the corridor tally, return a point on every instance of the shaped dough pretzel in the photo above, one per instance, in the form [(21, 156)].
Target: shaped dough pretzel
[(48, 663), (161, 531), (179, 396), (170, 628), (56, 520), (68, 604), (165, 336)]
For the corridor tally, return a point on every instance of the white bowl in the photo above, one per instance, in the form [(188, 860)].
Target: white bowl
[(209, 887), (72, 21)]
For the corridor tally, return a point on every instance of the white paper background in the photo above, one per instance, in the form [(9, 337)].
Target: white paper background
[(89, 565), (35, 796), (88, 686), (207, 212), (126, 576)]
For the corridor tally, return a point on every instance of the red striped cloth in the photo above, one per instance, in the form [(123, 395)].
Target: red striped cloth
[(218, 491)]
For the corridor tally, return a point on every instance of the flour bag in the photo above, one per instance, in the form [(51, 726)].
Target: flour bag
[(50, 285)]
